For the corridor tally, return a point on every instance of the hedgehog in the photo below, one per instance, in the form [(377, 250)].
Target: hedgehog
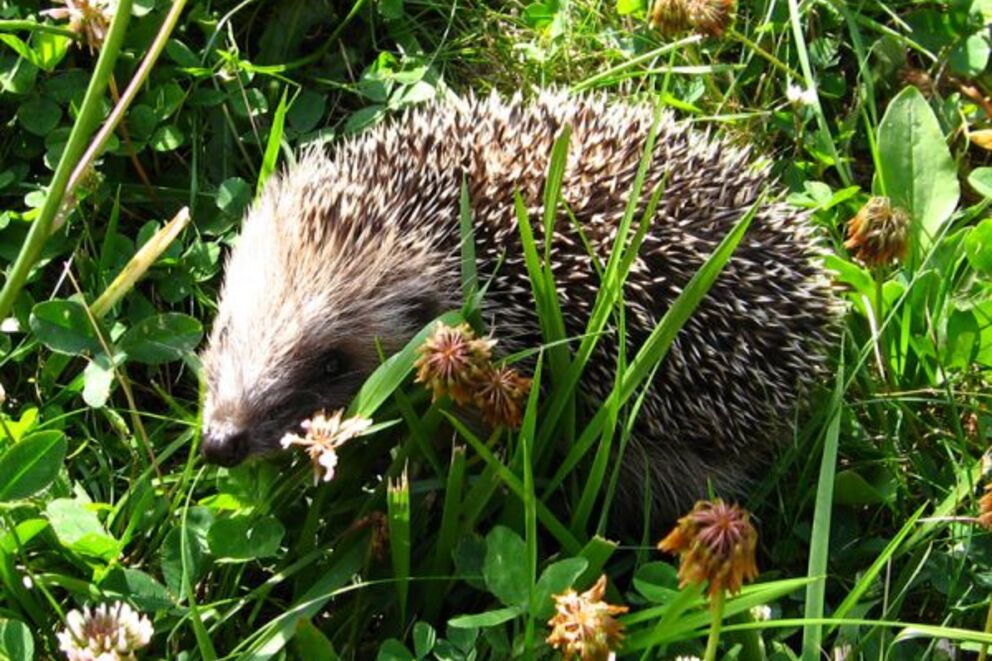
[(349, 251)]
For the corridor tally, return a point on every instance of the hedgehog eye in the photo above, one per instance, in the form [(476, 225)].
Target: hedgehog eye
[(333, 362)]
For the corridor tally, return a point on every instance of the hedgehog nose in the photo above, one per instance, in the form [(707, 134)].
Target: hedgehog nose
[(225, 449)]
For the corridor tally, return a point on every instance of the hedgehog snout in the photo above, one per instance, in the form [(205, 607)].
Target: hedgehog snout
[(225, 446)]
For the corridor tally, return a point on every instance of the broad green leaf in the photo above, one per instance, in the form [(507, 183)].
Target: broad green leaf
[(199, 520), (981, 180), (970, 56), (657, 581), (141, 121), (161, 338), (167, 138), (97, 379), (968, 339), (79, 529), (504, 568), (138, 587), (555, 579), (39, 116), (249, 101), (240, 539), (852, 488), (23, 533), (64, 327), (49, 49), (485, 620), (390, 9), (16, 642), (233, 196), (917, 170), (181, 54), (31, 464), (166, 99), (978, 246), (393, 650), (364, 117), (307, 111), (311, 643), (424, 638)]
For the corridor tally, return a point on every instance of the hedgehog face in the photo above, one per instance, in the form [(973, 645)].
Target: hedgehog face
[(306, 298)]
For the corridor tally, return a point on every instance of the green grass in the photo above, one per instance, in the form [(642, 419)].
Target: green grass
[(866, 538)]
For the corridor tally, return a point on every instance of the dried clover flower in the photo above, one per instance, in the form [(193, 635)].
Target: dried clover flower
[(919, 79), (90, 19), (583, 624), (708, 17), (878, 233), (499, 394), (985, 508), (111, 632), (670, 17), (323, 436), (716, 543), (451, 360)]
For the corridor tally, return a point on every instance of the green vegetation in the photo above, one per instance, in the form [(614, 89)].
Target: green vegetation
[(434, 543)]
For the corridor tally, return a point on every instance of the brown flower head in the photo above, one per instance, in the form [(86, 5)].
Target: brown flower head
[(323, 436), (710, 17), (878, 233), (670, 17), (583, 626), (109, 632), (90, 19), (985, 508), (919, 79), (716, 543), (451, 360), (377, 522), (499, 394)]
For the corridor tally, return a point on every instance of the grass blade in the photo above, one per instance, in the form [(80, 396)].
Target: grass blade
[(820, 536), (398, 503), (658, 343), (273, 144)]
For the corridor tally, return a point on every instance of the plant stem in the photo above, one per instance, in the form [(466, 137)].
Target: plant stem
[(137, 81), (716, 612), (86, 120), (140, 263), (771, 59), (984, 649), (32, 26)]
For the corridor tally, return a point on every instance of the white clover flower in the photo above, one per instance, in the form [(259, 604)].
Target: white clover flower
[(324, 435), (800, 96), (90, 19), (761, 613), (110, 632)]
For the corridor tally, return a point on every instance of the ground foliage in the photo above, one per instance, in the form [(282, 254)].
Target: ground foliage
[(431, 543)]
